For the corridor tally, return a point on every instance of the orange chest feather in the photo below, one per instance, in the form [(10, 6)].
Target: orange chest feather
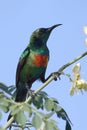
[(40, 60)]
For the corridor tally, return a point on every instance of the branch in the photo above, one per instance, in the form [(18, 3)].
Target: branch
[(73, 61), (49, 79), (59, 72), (8, 123)]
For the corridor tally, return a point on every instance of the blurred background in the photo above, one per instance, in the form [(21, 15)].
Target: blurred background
[(18, 19)]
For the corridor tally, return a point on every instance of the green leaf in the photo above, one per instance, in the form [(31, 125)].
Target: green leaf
[(1, 95), (43, 115), (4, 87), (43, 94), (50, 125), (4, 102), (61, 113), (15, 111), (4, 108), (68, 127), (27, 108), (55, 128), (57, 108), (36, 121), (1, 128), (20, 117), (14, 94), (13, 107), (54, 100), (38, 102), (0, 115), (49, 104), (11, 89)]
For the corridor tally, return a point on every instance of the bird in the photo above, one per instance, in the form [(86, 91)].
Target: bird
[(33, 62)]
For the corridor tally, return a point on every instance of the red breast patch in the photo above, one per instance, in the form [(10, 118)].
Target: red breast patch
[(40, 60)]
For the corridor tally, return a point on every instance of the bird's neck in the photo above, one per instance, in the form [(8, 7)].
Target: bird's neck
[(42, 50)]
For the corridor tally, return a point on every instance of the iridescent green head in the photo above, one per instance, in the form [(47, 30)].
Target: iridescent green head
[(40, 36)]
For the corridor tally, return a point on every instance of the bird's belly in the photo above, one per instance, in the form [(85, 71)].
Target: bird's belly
[(33, 68), (29, 73)]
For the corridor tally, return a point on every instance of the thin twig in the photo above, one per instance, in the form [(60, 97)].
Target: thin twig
[(8, 123), (71, 62), (59, 72)]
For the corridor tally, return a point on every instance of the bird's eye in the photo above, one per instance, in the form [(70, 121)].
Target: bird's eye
[(42, 30)]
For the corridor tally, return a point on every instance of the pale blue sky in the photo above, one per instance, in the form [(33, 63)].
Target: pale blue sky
[(18, 18)]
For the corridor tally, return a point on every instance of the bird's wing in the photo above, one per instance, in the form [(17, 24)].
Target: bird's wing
[(21, 63), (42, 76)]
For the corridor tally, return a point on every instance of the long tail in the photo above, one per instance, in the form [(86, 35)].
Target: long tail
[(21, 94)]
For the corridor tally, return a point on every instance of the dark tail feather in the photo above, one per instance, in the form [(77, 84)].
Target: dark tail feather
[(21, 94)]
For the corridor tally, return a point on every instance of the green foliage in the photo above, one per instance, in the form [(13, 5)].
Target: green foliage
[(49, 104), (20, 117), (4, 103), (50, 125), (39, 110), (10, 90), (38, 101), (68, 127), (1, 128), (62, 114), (0, 115), (36, 121)]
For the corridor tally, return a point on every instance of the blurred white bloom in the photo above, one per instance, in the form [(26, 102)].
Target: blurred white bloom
[(76, 69), (86, 41), (85, 30), (77, 86), (77, 82)]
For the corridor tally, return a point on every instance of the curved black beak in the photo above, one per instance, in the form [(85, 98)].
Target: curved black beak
[(54, 26)]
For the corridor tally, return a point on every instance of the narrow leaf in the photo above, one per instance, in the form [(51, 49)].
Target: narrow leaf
[(48, 126), (68, 127), (27, 108), (20, 118), (36, 121), (0, 115), (4, 108), (15, 111), (61, 113), (49, 104)]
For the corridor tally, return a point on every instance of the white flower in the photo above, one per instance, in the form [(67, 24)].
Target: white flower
[(85, 30), (76, 70), (77, 82), (86, 41)]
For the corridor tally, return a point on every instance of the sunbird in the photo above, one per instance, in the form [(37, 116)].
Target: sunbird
[(33, 62)]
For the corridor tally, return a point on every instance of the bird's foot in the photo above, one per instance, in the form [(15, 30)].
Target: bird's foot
[(56, 75)]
